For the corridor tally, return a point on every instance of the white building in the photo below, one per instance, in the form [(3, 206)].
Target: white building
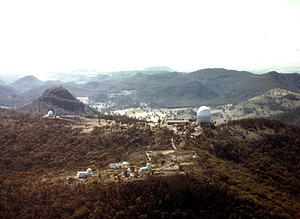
[(84, 174), (50, 113), (203, 114), (146, 168), (113, 165), (124, 164)]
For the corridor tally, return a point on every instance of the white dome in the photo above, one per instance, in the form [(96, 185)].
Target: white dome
[(50, 113), (203, 114)]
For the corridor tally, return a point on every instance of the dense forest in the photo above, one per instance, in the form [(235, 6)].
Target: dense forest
[(247, 168)]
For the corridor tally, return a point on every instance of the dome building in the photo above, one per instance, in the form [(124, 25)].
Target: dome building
[(50, 113), (203, 114)]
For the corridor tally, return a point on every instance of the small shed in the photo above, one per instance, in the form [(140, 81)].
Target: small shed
[(113, 165)]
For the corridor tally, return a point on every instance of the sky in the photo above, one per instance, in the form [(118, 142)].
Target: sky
[(40, 37)]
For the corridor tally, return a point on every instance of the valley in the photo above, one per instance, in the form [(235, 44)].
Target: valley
[(274, 101)]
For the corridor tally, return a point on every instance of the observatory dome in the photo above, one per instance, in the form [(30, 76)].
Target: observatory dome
[(50, 113), (203, 114)]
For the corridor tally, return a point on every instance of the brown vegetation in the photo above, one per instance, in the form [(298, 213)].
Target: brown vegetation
[(291, 116), (247, 168)]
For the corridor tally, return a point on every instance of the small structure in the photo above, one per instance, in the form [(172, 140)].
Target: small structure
[(146, 168), (177, 122), (113, 165), (50, 113), (181, 132), (127, 173), (196, 134), (203, 115), (124, 164), (84, 174)]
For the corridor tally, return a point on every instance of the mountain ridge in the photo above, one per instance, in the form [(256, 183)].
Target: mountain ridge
[(11, 97), (213, 86), (227, 86), (26, 83)]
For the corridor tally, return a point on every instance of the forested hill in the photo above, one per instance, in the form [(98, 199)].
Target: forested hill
[(59, 100), (247, 168)]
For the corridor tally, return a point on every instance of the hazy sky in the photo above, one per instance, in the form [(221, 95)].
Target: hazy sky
[(60, 36)]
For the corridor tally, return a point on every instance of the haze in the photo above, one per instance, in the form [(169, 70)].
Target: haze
[(39, 37)]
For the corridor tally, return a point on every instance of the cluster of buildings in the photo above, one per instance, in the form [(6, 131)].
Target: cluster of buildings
[(128, 172), (124, 165), (203, 115)]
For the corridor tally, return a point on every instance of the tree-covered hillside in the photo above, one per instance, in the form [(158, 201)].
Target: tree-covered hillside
[(247, 168)]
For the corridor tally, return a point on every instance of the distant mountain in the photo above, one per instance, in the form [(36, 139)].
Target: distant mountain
[(83, 76), (128, 74), (283, 69), (60, 100), (7, 112), (36, 92), (26, 83), (11, 97), (31, 88), (158, 68), (8, 78), (2, 82), (236, 86), (291, 116), (214, 86), (273, 102), (203, 87)]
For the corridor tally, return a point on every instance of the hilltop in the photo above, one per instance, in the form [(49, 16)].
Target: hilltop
[(60, 101), (274, 101), (246, 168), (26, 83)]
